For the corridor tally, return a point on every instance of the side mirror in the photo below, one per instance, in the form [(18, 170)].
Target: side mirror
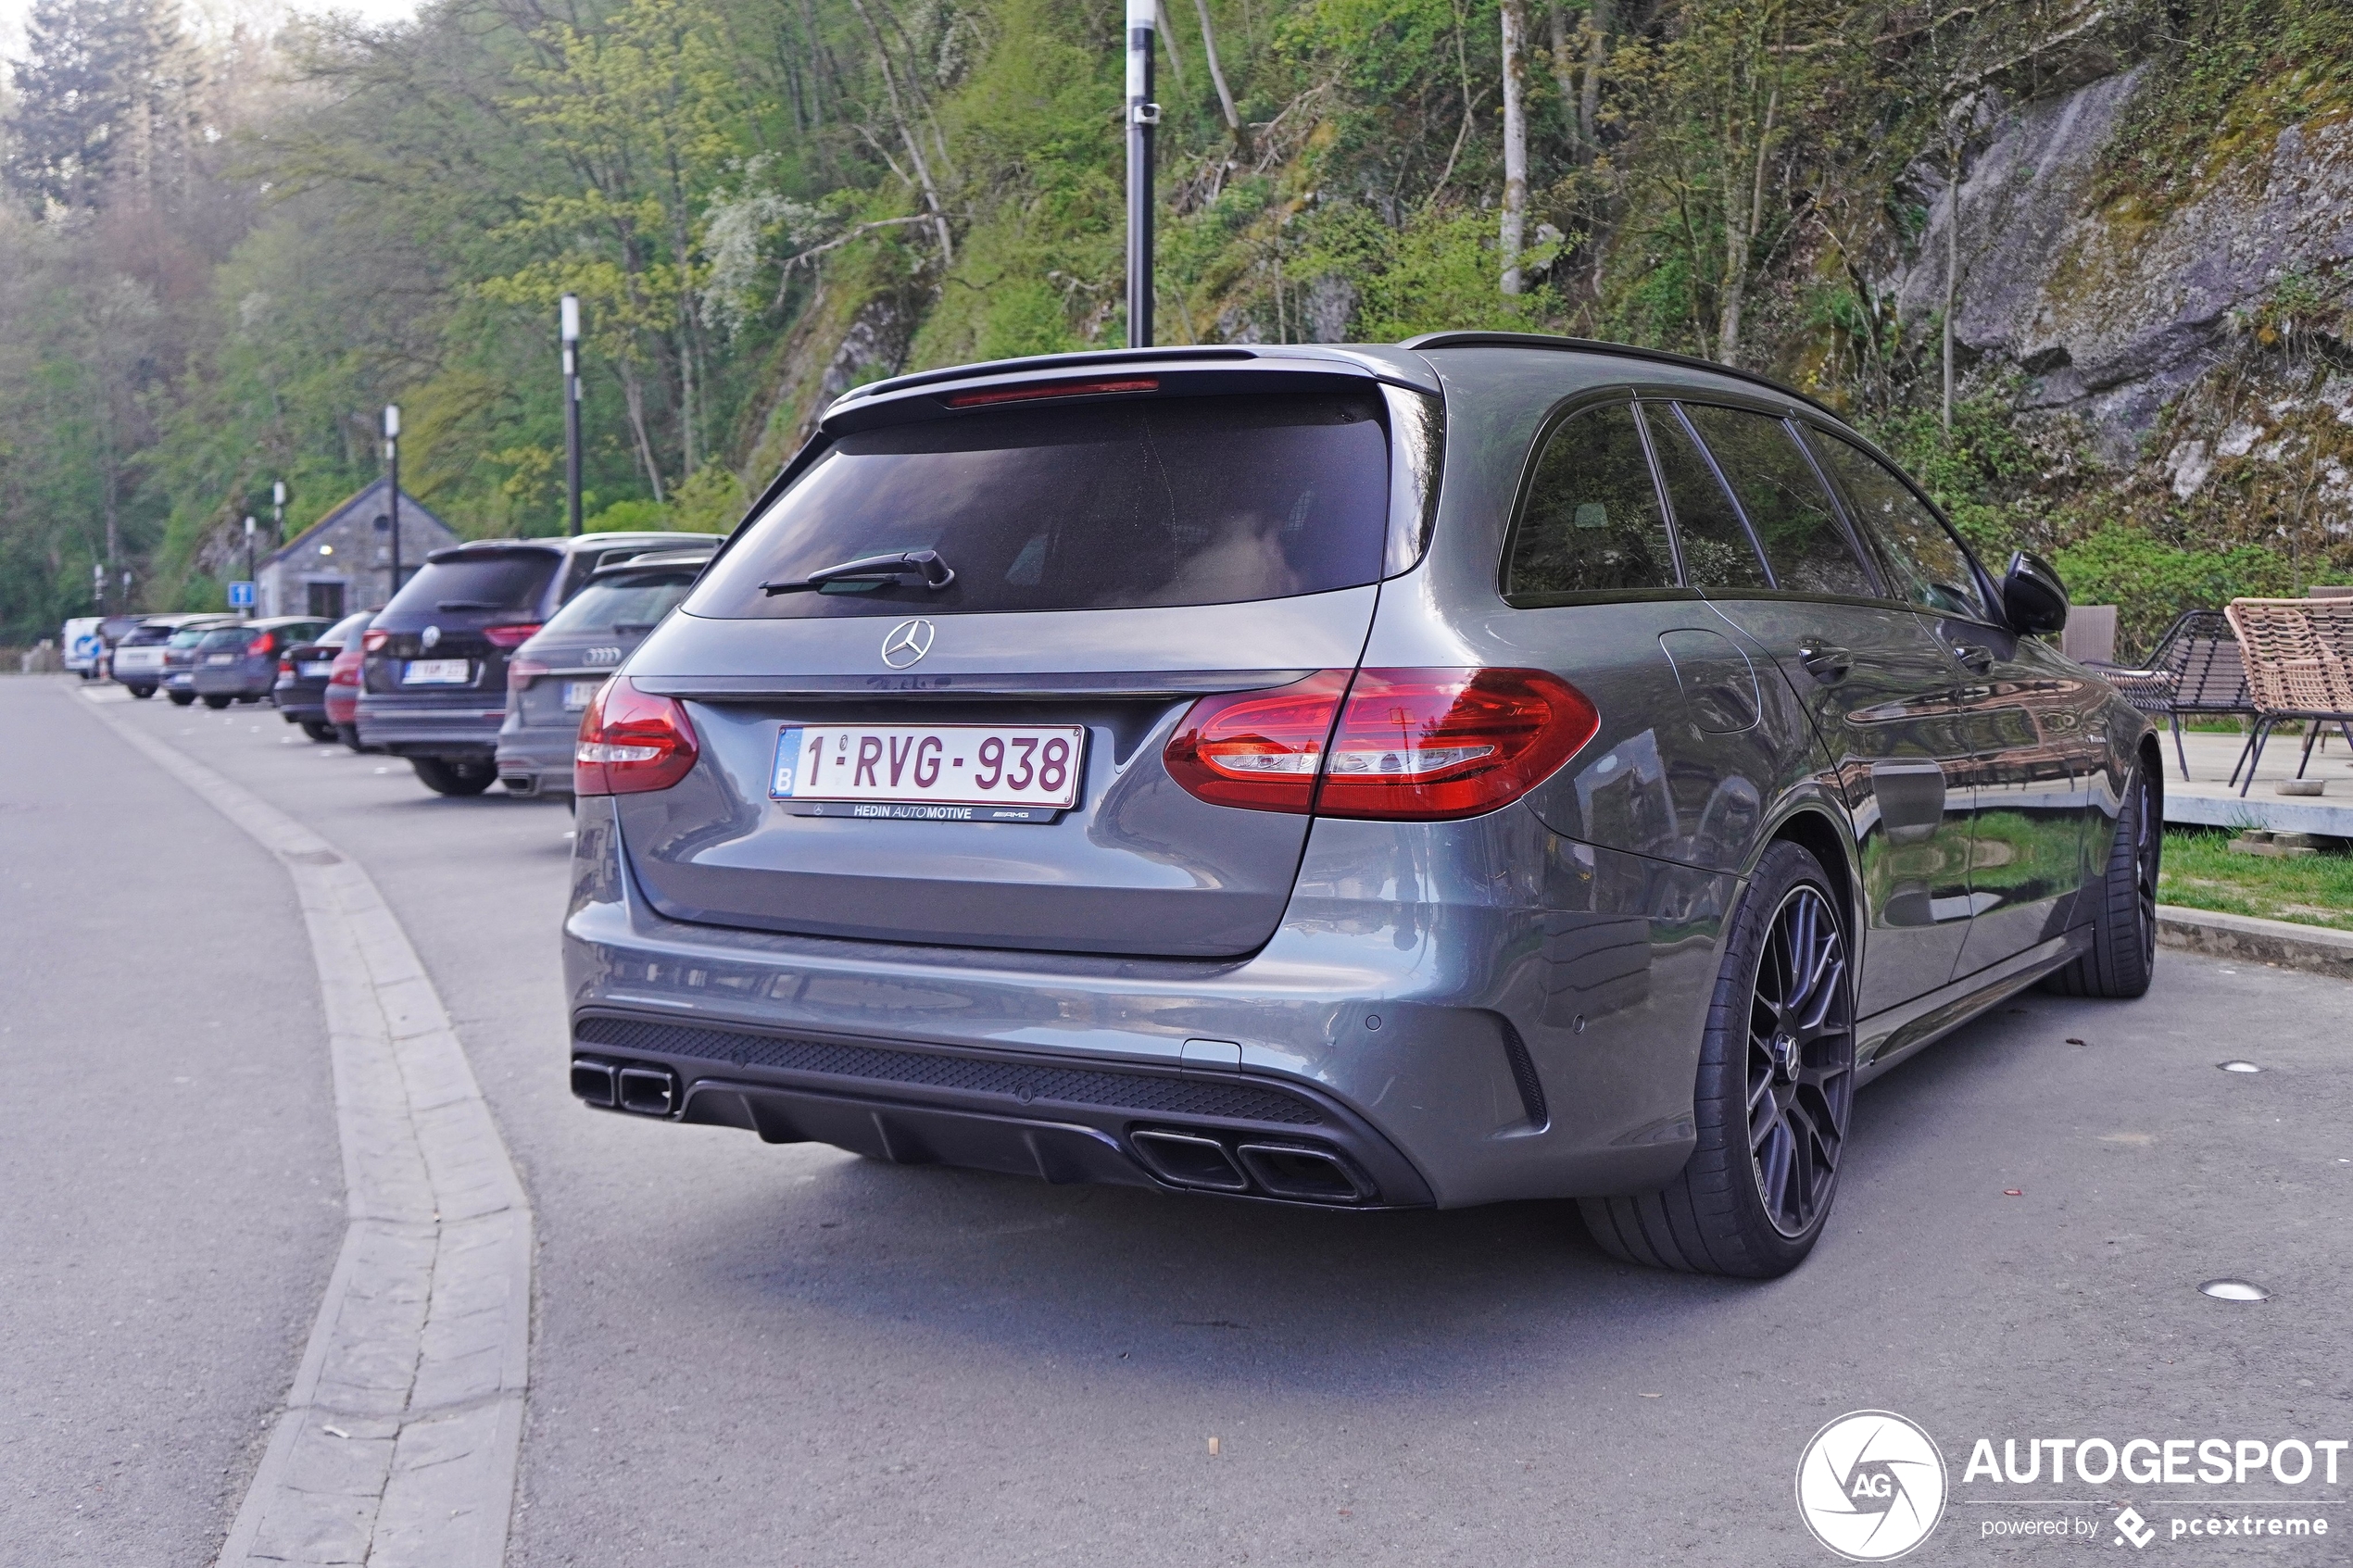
[(2034, 599)]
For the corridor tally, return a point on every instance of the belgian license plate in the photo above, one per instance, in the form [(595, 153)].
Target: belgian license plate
[(220, 659), (437, 672), (579, 695), (315, 671), (941, 772)]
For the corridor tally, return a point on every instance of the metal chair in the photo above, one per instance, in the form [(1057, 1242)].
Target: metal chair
[(2299, 666), (2195, 668)]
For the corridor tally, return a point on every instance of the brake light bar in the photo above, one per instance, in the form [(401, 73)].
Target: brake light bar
[(1049, 389)]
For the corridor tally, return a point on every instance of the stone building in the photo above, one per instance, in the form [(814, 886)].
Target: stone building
[(342, 562)]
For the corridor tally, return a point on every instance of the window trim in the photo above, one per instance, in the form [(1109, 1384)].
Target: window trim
[(1987, 589), (1865, 555), (1580, 402)]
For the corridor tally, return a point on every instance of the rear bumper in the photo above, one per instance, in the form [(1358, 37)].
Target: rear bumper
[(301, 699), (407, 726), (1520, 1035), (536, 759), (231, 681)]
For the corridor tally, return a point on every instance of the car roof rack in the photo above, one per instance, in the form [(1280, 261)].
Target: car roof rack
[(1618, 350)]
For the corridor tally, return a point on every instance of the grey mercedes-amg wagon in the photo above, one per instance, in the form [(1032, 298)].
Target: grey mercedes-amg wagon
[(1484, 768)]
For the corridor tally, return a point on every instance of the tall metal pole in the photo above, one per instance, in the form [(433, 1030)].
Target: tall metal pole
[(568, 329), (254, 581), (392, 456), (278, 510), (1142, 115)]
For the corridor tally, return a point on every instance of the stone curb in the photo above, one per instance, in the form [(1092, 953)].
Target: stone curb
[(2313, 948), (400, 1441)]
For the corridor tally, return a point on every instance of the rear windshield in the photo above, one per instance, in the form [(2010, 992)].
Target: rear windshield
[(187, 638), (630, 604), (226, 637), (1160, 501), (350, 626), (146, 636), (488, 581)]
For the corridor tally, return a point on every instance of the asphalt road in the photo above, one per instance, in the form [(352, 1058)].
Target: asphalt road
[(747, 1354)]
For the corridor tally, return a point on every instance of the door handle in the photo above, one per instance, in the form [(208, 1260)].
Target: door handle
[(1827, 664), (1979, 659)]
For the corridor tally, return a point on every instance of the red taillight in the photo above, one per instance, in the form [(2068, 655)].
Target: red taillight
[(508, 636), (1262, 749), (286, 666), (520, 672), (1433, 745), (344, 671), (1409, 746), (630, 742), (265, 643), (373, 641)]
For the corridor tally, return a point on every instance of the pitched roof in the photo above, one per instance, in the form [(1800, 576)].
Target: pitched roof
[(368, 500)]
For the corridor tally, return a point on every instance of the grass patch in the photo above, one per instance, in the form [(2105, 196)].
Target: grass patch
[(2203, 874)]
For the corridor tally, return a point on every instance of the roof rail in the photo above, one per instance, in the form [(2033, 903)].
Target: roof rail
[(1622, 351)]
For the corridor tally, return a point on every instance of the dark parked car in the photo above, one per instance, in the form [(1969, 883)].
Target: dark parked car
[(1487, 768), (138, 660), (552, 677), (434, 683), (177, 669), (239, 662), (341, 699), (300, 691)]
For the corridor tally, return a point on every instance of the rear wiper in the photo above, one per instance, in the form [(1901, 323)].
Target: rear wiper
[(926, 564), (468, 604)]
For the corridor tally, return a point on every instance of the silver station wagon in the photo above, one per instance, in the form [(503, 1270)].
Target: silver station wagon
[(1484, 768)]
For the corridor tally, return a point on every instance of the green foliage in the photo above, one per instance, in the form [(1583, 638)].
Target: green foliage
[(2201, 871), (2151, 582)]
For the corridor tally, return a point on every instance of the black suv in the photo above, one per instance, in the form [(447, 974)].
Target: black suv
[(434, 684)]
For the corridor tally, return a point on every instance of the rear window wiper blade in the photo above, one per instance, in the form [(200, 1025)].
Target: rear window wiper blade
[(926, 564)]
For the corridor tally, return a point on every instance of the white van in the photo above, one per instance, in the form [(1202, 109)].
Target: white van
[(83, 645)]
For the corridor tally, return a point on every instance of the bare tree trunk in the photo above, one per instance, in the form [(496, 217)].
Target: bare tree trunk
[(1563, 79), (1515, 18), (1589, 99), (1739, 238), (907, 137), (1168, 36), (1952, 265), (634, 395), (1225, 94)]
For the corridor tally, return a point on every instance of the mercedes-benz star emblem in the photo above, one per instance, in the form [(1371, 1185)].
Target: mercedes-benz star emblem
[(908, 642)]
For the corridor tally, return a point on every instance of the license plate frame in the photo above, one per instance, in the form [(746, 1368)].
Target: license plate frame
[(437, 672), (929, 772)]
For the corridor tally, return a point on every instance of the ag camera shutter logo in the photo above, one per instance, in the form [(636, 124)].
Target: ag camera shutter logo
[(1870, 1486)]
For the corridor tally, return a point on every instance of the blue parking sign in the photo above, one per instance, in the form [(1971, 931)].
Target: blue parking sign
[(241, 594)]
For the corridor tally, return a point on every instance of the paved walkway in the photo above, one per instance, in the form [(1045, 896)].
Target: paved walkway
[(2206, 797)]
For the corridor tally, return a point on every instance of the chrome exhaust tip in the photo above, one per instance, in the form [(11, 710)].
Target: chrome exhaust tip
[(1183, 1159)]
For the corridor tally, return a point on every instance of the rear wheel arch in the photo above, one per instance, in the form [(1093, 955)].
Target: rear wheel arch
[(1812, 829)]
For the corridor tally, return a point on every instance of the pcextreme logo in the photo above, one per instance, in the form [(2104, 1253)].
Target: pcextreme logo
[(1870, 1486)]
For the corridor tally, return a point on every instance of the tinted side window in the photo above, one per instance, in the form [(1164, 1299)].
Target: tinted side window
[(1717, 553), (1593, 522), (1785, 502), (1929, 568)]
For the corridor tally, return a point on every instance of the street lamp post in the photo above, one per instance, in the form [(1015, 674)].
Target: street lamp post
[(1142, 115), (278, 508), (568, 331), (392, 458), (251, 580), (98, 585)]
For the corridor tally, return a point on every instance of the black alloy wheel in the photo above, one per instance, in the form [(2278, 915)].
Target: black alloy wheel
[(1801, 1062), (1775, 1093)]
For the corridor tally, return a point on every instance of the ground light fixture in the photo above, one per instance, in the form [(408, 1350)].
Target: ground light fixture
[(2235, 1290), (2239, 1067)]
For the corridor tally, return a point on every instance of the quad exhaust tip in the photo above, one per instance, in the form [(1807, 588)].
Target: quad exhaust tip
[(1301, 1172), (649, 1091)]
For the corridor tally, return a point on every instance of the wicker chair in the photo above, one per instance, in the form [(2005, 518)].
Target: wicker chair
[(2299, 665), (2195, 668)]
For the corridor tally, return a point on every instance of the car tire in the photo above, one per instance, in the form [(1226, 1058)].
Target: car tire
[(142, 693), (321, 732), (349, 735), (1775, 1097), (2123, 959), (448, 776), (217, 703), (180, 699)]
